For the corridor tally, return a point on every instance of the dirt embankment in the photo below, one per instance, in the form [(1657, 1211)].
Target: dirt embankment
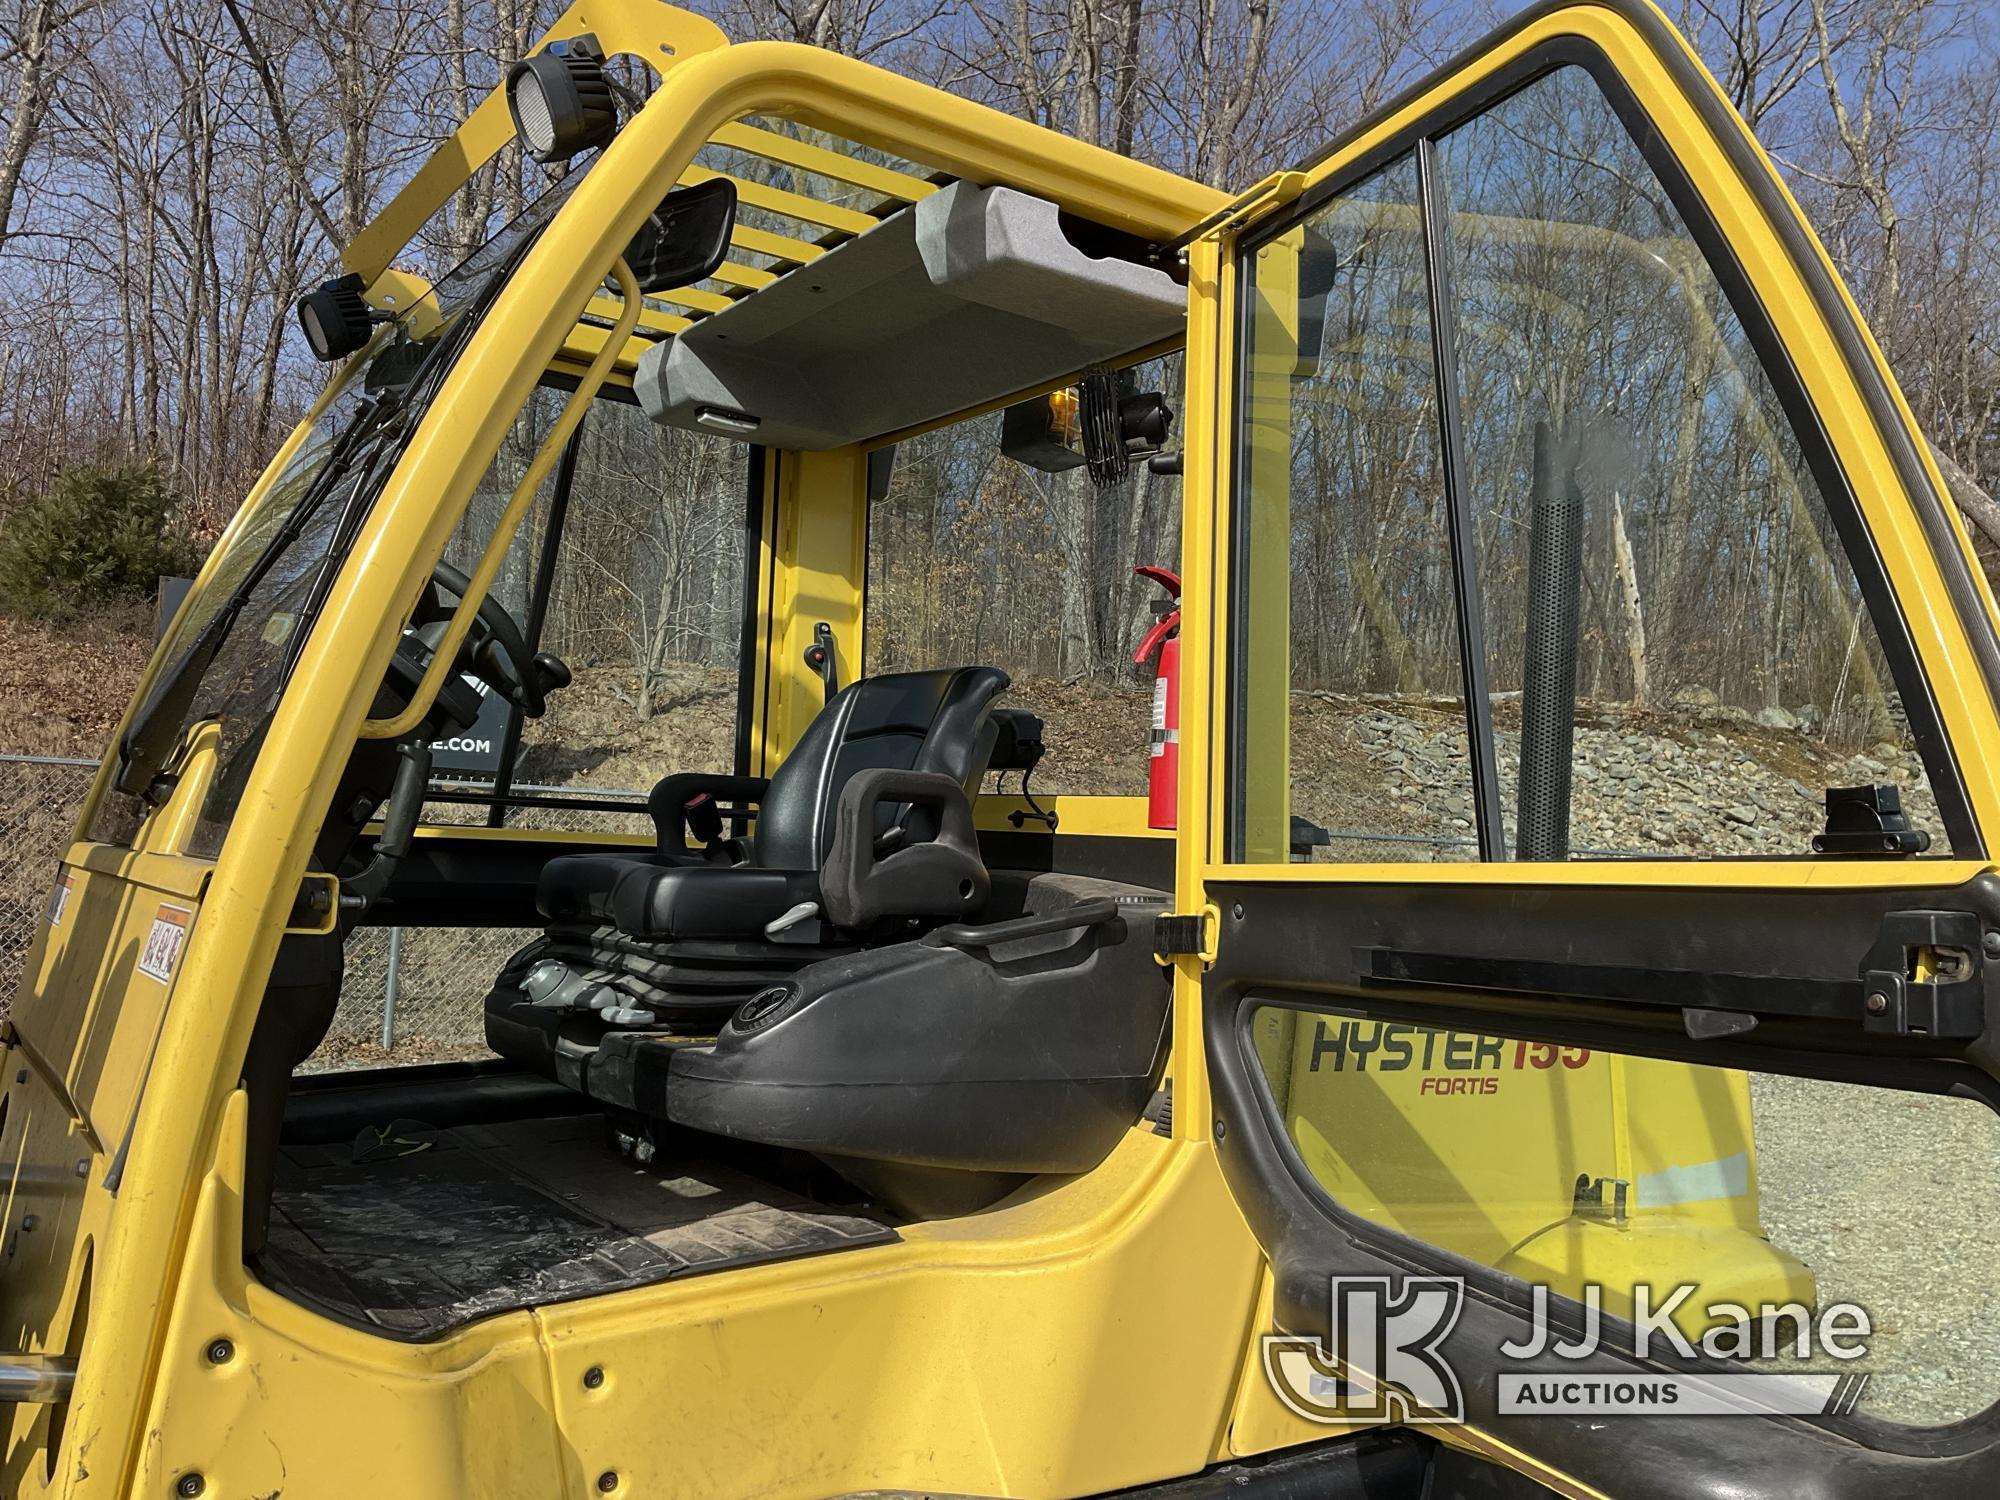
[(64, 685)]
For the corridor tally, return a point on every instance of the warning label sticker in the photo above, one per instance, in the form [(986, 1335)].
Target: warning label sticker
[(165, 941), (59, 898)]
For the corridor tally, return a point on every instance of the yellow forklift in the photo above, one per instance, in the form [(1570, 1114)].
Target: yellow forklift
[(849, 1125)]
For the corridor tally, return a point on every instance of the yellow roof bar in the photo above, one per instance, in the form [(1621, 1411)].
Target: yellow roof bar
[(825, 163), (922, 123)]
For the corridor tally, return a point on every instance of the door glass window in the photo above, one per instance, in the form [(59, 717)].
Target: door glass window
[(1651, 545), (1350, 670), (1672, 651), (645, 606), (1571, 1167)]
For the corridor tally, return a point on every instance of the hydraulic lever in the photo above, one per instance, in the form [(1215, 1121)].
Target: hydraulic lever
[(819, 656)]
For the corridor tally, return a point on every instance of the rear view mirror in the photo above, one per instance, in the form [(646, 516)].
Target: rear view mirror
[(686, 238)]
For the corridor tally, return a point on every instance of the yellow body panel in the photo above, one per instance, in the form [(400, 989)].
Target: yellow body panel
[(1026, 1350), (1087, 1333), (1476, 1144)]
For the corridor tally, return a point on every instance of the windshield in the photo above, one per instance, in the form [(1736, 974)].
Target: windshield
[(236, 643)]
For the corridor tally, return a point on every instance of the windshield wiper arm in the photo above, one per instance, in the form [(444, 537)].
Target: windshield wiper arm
[(141, 753), (143, 750)]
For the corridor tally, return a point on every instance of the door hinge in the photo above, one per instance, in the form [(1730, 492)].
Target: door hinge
[(1189, 935), (1924, 976)]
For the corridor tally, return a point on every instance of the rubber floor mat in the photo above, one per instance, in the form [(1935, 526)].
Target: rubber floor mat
[(414, 1232)]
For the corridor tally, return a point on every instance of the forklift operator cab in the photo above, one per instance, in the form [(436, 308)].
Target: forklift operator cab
[(1563, 908)]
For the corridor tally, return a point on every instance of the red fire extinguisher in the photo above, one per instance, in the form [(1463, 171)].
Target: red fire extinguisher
[(1163, 774)]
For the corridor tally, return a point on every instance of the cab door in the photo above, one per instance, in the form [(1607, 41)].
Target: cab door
[(1593, 817)]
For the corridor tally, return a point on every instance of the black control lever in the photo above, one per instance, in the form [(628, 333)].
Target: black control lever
[(819, 656)]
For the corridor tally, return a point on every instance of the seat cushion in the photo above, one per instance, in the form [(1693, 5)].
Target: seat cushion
[(706, 901), (577, 887)]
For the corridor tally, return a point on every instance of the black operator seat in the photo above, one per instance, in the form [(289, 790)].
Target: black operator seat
[(864, 836), (936, 723)]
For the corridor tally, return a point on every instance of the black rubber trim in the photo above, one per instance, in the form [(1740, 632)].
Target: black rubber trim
[(1897, 644), (1462, 524), (1753, 994), (766, 589), (328, 1108), (748, 647), (1383, 1465)]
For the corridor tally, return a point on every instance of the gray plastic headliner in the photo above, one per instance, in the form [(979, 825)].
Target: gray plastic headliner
[(967, 296)]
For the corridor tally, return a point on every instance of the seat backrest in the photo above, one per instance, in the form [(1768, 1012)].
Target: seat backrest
[(909, 721)]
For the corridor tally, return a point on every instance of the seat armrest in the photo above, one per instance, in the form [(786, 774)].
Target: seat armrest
[(942, 876), (669, 799)]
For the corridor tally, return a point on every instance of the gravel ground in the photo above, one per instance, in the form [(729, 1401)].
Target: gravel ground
[(1891, 1199)]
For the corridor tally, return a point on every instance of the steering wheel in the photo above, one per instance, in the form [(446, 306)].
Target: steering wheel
[(495, 650)]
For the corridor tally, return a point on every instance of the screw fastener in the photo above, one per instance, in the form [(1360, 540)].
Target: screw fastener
[(1991, 944), (189, 1485), (608, 1481), (220, 1351), (593, 1377), (1877, 1002)]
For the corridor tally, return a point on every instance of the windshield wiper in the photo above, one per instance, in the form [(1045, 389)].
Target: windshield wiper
[(150, 739), (147, 744)]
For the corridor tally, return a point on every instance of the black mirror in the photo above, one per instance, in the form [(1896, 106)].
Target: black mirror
[(686, 238), (1044, 433), (1102, 421)]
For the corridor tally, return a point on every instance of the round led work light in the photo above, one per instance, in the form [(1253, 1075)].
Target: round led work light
[(561, 104), (334, 318)]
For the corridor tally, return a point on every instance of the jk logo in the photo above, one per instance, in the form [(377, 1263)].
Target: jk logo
[(1383, 1363)]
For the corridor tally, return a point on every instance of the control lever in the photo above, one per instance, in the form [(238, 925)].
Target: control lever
[(805, 911), (819, 656)]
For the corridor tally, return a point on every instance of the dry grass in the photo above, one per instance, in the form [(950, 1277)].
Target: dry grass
[(64, 684)]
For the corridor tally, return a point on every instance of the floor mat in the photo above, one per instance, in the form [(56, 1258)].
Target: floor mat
[(414, 1232)]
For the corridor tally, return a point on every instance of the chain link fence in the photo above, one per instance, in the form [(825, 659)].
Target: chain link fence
[(39, 797), (415, 994), (411, 994)]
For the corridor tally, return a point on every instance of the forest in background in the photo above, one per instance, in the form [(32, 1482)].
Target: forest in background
[(174, 174)]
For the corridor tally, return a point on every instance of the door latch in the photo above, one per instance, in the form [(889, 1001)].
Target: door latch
[(1924, 976)]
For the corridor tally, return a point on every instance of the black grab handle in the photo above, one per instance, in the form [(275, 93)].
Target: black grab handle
[(1092, 913)]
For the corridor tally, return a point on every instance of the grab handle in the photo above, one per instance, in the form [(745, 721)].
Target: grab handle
[(446, 652), (1092, 913)]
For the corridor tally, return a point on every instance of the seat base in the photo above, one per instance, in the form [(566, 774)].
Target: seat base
[(688, 988)]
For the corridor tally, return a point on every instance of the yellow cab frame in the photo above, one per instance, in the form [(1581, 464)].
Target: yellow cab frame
[(1098, 1332)]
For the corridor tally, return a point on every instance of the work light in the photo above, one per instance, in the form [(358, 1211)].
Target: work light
[(561, 103), (335, 319)]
